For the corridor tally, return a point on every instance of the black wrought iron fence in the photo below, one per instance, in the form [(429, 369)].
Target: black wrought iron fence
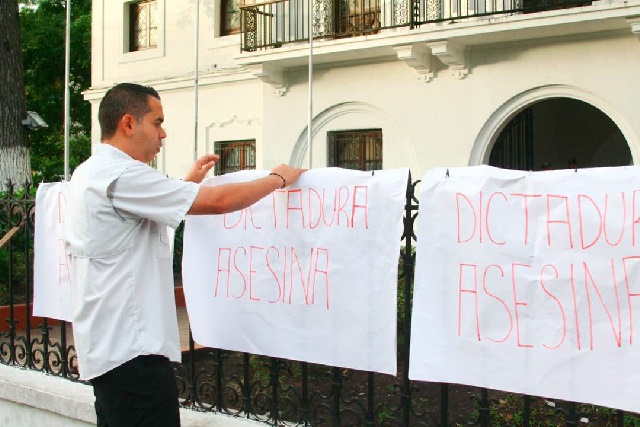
[(276, 391), (271, 24), (26, 341)]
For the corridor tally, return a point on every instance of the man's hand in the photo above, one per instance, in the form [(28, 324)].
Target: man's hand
[(289, 174), (201, 167)]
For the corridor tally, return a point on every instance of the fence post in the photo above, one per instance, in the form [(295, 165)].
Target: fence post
[(407, 266)]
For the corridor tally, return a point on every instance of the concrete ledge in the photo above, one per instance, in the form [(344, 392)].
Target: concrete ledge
[(32, 398), (47, 393)]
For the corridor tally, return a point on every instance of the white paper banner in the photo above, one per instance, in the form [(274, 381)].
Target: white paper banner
[(51, 284), (530, 282), (308, 273)]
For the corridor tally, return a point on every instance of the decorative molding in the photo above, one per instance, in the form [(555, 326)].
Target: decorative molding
[(280, 91), (232, 121), (459, 73), (213, 129), (418, 57), (452, 55), (634, 23), (273, 76)]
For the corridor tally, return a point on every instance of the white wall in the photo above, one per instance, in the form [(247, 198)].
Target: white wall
[(30, 398), (175, 55), (438, 122), (444, 122), (222, 115)]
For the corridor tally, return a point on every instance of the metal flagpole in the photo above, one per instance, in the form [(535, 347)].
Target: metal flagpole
[(195, 81), (67, 90), (310, 119)]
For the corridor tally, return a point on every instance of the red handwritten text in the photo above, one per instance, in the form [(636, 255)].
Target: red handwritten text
[(543, 305), (285, 275), (311, 208), (613, 220)]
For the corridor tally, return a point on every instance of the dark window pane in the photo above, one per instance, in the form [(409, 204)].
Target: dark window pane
[(356, 17), (355, 149), (230, 17), (143, 25), (235, 156)]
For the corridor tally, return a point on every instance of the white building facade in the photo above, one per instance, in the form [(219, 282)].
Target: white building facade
[(453, 83)]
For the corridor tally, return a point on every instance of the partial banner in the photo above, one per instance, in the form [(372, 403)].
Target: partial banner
[(51, 283), (529, 282), (308, 273)]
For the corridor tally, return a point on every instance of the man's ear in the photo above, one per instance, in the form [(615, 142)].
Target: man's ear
[(128, 122)]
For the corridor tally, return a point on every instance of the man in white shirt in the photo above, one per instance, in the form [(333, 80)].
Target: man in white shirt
[(124, 316)]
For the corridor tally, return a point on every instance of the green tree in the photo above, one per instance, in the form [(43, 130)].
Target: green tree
[(43, 28)]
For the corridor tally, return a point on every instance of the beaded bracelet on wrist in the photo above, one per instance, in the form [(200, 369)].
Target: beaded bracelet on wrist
[(284, 183)]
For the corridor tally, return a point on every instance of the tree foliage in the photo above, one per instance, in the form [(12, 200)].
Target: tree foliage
[(43, 26)]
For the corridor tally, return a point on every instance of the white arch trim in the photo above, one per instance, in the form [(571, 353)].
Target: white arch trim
[(299, 155), (499, 119)]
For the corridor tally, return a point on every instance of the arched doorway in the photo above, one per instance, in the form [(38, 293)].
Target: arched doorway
[(560, 133)]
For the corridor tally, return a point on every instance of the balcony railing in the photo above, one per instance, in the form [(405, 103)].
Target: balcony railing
[(274, 23)]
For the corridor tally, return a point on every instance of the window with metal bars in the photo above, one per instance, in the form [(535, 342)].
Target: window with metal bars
[(235, 155), (143, 25), (359, 149), (356, 17), (513, 148)]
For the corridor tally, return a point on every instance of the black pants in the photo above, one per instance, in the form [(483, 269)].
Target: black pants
[(140, 392)]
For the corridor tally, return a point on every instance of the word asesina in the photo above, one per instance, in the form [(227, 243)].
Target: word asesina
[(282, 274), (550, 305)]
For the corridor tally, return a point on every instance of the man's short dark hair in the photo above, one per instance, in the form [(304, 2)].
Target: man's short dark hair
[(123, 98)]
